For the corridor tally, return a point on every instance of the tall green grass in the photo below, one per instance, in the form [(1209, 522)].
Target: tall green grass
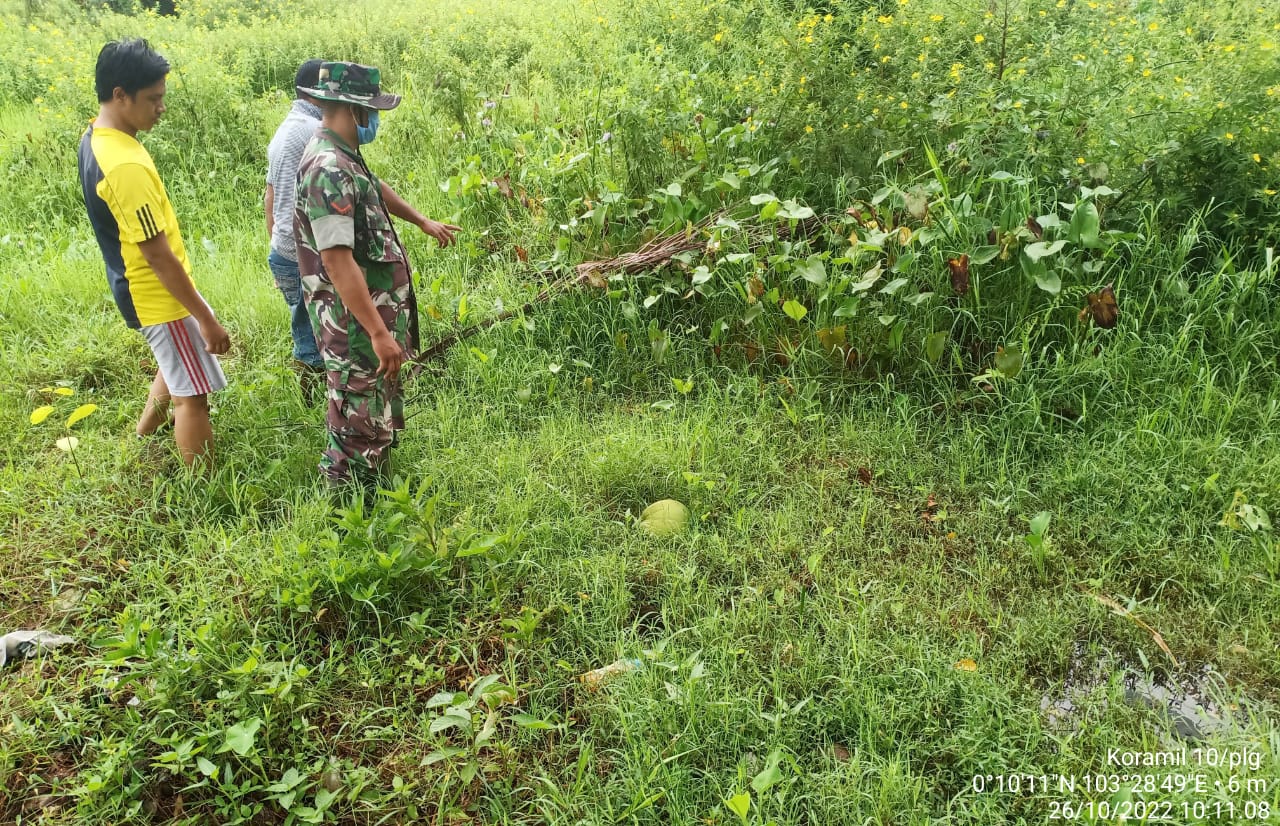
[(247, 653)]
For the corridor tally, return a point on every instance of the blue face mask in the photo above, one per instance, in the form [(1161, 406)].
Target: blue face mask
[(366, 134)]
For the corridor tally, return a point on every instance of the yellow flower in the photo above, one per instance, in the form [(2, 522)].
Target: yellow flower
[(936, 18), (719, 36), (904, 105), (1229, 136), (1080, 161), (808, 130), (977, 38), (1257, 158), (1153, 26)]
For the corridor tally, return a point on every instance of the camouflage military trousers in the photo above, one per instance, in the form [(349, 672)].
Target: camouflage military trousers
[(364, 410)]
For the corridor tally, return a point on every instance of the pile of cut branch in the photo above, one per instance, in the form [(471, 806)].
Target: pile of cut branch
[(653, 254)]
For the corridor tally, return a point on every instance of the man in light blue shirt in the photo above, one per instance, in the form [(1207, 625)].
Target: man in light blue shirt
[(283, 154)]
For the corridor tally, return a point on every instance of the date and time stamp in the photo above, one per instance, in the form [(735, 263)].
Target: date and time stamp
[(1184, 785)]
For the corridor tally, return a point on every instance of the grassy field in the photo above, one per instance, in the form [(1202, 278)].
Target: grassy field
[(934, 498)]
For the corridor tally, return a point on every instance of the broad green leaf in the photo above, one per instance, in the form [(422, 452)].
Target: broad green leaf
[(1097, 192), (1040, 522), (67, 443), (206, 767), (927, 235), (64, 391), (442, 754), (763, 198), (934, 346), (41, 413), (984, 255), (1254, 518), (740, 804), (847, 308), (812, 270), (1041, 249), (529, 721), (795, 211), (894, 285), (481, 685), (1009, 361), (450, 720), (469, 771), (674, 189), (1049, 281), (770, 775), (489, 728), (868, 280), (442, 698), (768, 211), (1000, 176), (752, 313), (1085, 225), (498, 695), (890, 155), (701, 275), (324, 798), (240, 737), (917, 203), (794, 309)]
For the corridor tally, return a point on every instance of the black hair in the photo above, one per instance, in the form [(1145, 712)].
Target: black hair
[(131, 65), (308, 76)]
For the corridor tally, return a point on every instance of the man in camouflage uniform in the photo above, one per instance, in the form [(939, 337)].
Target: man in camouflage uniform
[(355, 274)]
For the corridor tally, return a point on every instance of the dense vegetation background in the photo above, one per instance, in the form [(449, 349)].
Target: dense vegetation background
[(940, 480)]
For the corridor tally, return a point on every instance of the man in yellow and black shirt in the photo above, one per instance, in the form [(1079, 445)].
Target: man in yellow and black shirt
[(141, 244)]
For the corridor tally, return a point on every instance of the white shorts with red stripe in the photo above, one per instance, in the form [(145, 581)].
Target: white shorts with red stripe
[(179, 349)]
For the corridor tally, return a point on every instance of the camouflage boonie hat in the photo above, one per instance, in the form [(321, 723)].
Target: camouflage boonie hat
[(351, 83)]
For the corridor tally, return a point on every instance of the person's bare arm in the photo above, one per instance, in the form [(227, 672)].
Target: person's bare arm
[(347, 279), (270, 201), (174, 278), (399, 207)]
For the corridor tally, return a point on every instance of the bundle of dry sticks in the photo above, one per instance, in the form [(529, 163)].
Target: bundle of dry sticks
[(654, 253)]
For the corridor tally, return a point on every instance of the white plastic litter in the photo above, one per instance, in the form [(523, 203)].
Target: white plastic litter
[(19, 644)]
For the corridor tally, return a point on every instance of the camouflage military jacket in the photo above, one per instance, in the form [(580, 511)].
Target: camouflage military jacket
[(339, 204)]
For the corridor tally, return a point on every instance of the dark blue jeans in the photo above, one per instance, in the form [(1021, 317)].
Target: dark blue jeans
[(290, 284)]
